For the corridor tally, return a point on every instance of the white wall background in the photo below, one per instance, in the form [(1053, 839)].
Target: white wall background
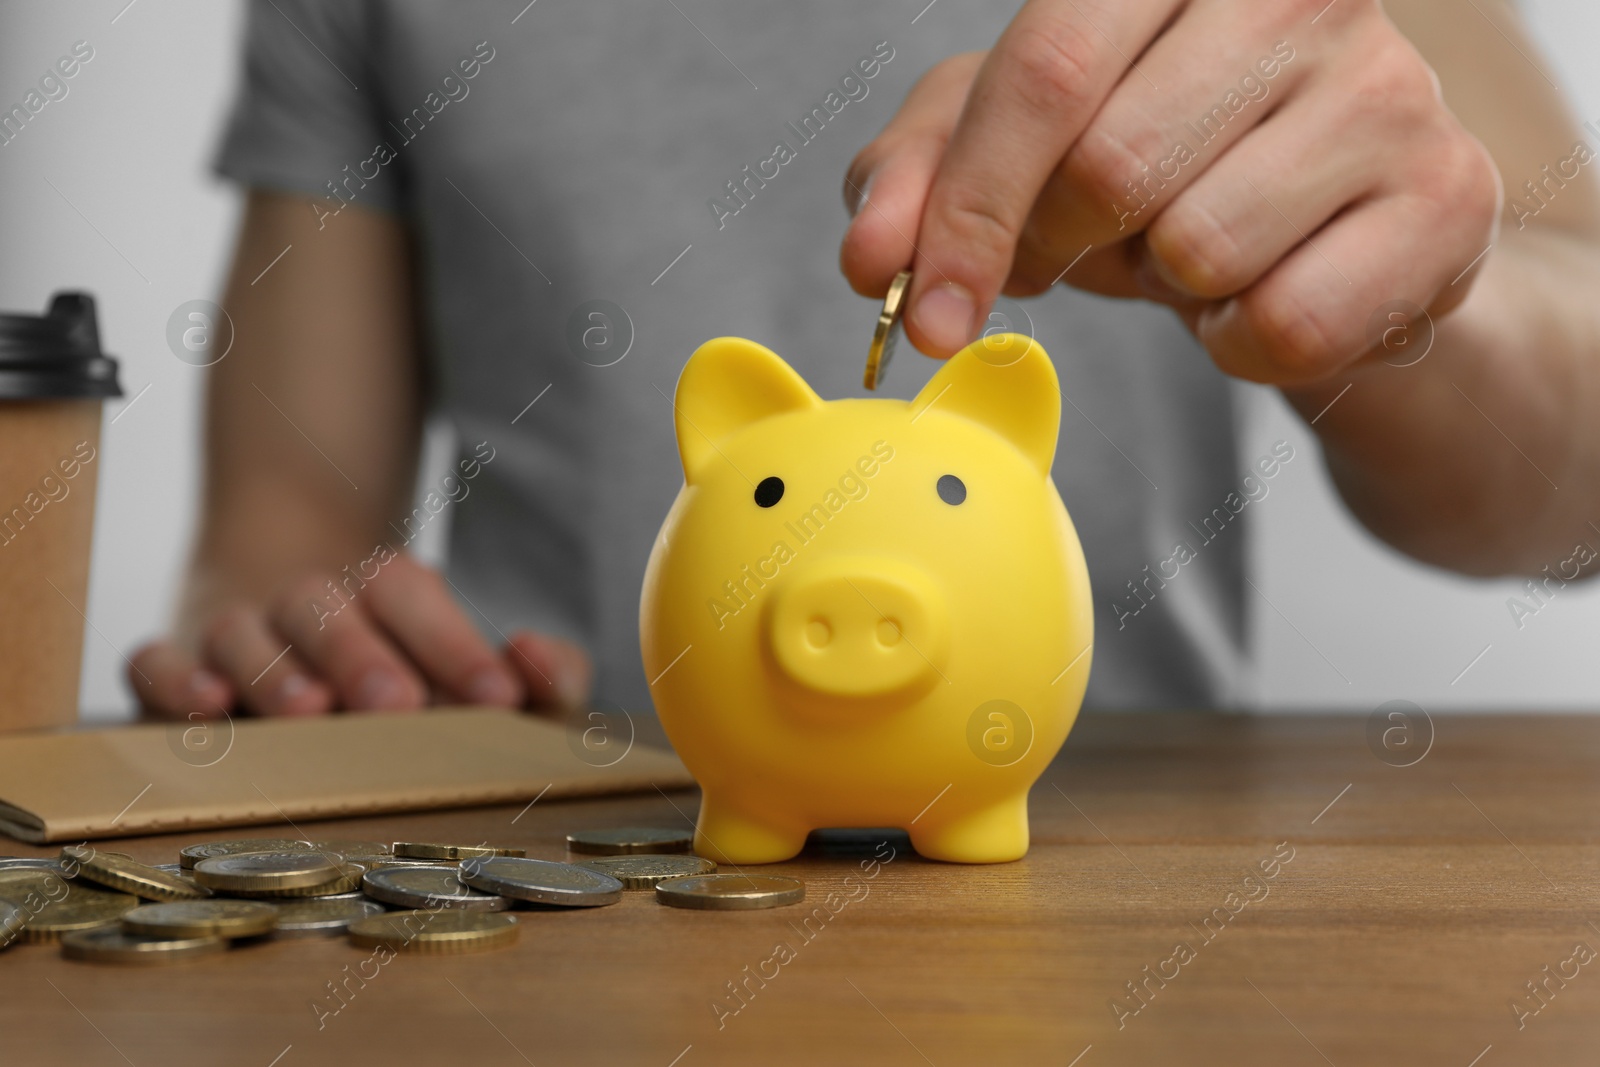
[(135, 217)]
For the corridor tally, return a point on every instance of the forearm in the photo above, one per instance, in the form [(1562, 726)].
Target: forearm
[(1483, 457), (313, 418)]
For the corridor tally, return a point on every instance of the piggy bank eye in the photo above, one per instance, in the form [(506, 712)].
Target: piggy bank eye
[(952, 490), (770, 491)]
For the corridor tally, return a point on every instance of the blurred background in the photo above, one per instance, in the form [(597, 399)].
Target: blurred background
[(109, 189)]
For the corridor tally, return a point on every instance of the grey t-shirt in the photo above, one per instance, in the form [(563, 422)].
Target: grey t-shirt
[(570, 151)]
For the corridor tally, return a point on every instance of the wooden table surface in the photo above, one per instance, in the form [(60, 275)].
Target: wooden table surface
[(1418, 904)]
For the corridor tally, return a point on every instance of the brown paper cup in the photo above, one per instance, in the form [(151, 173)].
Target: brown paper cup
[(49, 457), (52, 379)]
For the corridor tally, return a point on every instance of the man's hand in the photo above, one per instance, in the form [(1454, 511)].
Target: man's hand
[(397, 642), (1275, 171), (320, 394)]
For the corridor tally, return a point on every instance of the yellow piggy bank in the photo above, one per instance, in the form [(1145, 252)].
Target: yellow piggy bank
[(867, 613)]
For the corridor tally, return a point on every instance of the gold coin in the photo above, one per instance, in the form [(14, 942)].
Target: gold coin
[(885, 333), (731, 892), (439, 932), (129, 876), (422, 850), (630, 841), (202, 918), (33, 887), (643, 872), (193, 854), (83, 907), (111, 944), (12, 920), (347, 881), (261, 871)]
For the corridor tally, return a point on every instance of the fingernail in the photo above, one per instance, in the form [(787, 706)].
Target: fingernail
[(204, 684), (379, 688), (492, 687), (855, 195), (293, 686), (1158, 282), (944, 315)]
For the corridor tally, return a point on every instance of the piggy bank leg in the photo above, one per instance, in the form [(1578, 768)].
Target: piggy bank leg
[(994, 834), (725, 833)]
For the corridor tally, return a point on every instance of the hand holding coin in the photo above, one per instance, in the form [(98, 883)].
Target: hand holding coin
[(887, 331)]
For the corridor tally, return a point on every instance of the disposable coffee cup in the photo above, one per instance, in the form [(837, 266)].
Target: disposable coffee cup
[(53, 378)]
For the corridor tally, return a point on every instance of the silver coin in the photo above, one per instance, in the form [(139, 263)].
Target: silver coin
[(41, 863), (12, 920), (730, 892), (541, 881), (629, 841), (112, 944), (428, 887), (321, 916)]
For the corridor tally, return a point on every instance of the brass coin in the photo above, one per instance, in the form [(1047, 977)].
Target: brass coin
[(320, 917), (179, 870), (130, 876), (12, 919), (193, 854), (630, 841), (83, 907), (422, 850), (428, 887), (447, 931), (886, 332), (643, 872), (347, 883), (33, 887), (260, 871), (111, 944), (731, 892), (202, 918), (542, 881)]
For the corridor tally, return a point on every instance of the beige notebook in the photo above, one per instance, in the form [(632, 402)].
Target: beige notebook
[(150, 778)]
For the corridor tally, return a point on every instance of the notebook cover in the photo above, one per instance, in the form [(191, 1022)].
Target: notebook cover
[(144, 779)]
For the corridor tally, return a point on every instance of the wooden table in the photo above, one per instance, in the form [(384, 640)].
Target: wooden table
[(1418, 903)]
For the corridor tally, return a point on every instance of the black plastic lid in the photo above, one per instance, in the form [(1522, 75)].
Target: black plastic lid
[(57, 356)]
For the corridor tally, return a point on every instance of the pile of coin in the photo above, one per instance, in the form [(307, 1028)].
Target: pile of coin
[(409, 896)]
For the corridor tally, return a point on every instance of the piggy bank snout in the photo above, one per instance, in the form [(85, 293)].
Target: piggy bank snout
[(863, 627)]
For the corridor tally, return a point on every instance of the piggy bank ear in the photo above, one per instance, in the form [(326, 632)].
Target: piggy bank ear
[(727, 384), (1007, 382)]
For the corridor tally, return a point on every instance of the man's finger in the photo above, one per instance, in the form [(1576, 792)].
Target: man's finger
[(1259, 202), (886, 186), (265, 673), (171, 684), (557, 672), (1035, 94), (1312, 315), (414, 605), (344, 646), (1196, 93)]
